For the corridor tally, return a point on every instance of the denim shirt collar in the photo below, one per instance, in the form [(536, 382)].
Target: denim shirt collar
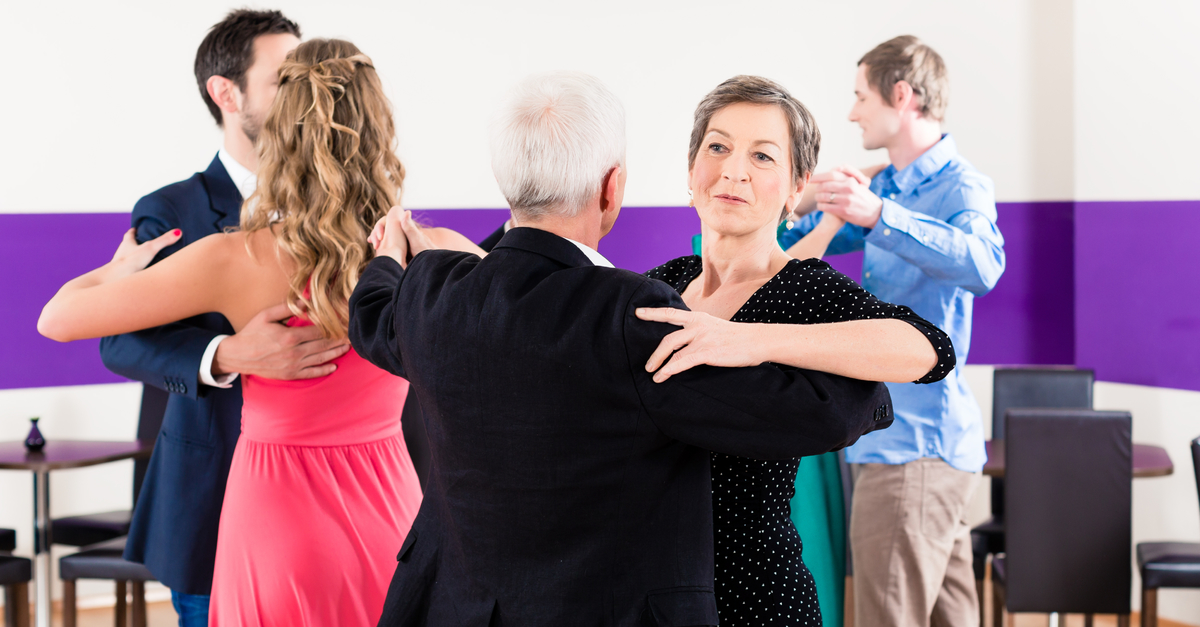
[(924, 167)]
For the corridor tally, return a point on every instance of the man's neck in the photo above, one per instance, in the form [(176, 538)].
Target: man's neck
[(239, 146), (583, 228), (913, 141)]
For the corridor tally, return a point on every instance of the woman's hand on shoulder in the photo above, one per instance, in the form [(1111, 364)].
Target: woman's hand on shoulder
[(704, 339), (132, 256)]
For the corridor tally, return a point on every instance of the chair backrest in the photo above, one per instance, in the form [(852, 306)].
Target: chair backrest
[(1069, 508), (150, 419), (1034, 387), (1058, 388)]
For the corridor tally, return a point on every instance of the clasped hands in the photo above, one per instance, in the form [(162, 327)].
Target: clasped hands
[(396, 235), (844, 192)]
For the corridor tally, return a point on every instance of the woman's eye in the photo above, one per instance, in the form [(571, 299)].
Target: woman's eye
[(763, 157), (716, 147)]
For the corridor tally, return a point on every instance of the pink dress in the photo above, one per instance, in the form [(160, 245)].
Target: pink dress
[(321, 494)]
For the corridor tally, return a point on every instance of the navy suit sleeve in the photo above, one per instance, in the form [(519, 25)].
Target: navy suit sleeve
[(169, 356), (764, 412)]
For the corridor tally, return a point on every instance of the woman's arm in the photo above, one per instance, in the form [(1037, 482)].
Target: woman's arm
[(814, 245), (872, 350), (121, 296)]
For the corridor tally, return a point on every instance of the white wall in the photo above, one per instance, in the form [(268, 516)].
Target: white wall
[(114, 112), (1137, 82)]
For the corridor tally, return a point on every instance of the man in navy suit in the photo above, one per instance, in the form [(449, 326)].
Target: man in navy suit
[(174, 526)]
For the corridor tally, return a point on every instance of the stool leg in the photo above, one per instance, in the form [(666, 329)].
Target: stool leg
[(1149, 607), (120, 619), (997, 604), (10, 605), (979, 595), (1122, 620), (139, 604), (1089, 620), (68, 603), (21, 618)]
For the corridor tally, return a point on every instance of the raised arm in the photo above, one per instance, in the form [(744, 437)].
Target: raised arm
[(886, 343), (760, 412), (121, 297)]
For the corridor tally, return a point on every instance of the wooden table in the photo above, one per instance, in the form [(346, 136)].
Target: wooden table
[(1148, 460), (58, 454)]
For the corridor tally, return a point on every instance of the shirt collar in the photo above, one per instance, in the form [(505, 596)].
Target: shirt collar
[(928, 164), (245, 180), (596, 258)]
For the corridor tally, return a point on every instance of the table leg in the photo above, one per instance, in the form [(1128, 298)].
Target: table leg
[(1053, 619), (41, 546)]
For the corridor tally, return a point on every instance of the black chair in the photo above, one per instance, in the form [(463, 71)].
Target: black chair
[(104, 561), (1068, 514), (1168, 564), (1013, 388), (15, 574), (95, 528)]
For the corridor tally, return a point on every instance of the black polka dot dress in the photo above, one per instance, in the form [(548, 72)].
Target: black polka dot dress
[(760, 576)]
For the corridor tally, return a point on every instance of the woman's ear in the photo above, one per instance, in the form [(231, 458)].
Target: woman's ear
[(793, 200)]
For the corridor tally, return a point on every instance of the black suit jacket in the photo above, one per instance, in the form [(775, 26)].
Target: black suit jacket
[(174, 529), (566, 487)]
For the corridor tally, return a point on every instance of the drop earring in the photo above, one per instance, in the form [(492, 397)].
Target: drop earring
[(691, 201)]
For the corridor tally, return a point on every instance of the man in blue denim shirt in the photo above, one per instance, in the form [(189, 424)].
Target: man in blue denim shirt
[(927, 223)]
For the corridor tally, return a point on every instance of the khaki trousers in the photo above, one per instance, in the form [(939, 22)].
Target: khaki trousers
[(912, 546)]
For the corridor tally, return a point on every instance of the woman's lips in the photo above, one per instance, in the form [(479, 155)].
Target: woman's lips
[(729, 198)]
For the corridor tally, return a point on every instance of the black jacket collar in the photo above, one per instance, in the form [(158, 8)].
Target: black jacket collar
[(546, 244)]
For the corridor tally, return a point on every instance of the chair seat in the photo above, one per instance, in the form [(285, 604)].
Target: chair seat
[(1169, 564), (15, 570), (103, 561), (90, 529), (8, 540), (986, 539)]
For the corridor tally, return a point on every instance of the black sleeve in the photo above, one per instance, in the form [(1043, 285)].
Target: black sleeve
[(764, 412), (844, 300), (167, 357), (490, 241), (372, 328)]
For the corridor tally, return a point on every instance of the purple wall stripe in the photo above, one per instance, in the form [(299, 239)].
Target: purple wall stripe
[(1137, 315), (1096, 288)]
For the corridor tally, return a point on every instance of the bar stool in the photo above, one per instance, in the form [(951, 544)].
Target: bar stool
[(1168, 564), (105, 561), (15, 574)]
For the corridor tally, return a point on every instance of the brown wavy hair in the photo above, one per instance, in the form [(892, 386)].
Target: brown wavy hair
[(328, 172)]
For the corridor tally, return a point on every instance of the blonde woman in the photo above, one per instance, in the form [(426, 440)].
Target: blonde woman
[(321, 492)]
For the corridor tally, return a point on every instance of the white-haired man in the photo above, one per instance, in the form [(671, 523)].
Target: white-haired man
[(566, 486)]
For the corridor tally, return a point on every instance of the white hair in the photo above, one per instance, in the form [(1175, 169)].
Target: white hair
[(554, 142)]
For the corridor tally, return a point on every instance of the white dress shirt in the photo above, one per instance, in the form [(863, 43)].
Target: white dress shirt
[(246, 182), (596, 258)]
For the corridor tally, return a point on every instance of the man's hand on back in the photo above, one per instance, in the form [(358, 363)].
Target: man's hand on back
[(266, 347)]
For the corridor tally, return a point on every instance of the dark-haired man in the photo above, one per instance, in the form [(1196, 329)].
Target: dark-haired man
[(174, 527), (928, 225)]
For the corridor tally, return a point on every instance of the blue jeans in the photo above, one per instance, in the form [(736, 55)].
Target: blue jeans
[(191, 608)]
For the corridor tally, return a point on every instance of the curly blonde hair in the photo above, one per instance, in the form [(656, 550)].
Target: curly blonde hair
[(327, 172)]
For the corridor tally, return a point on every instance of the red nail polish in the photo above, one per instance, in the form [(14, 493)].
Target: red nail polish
[(177, 232)]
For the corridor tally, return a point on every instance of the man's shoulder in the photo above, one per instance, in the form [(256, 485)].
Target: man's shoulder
[(175, 195), (964, 174)]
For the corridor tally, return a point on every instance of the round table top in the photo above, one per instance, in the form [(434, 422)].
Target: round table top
[(1148, 460), (70, 454)]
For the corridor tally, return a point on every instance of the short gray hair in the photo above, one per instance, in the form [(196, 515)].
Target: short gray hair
[(554, 141)]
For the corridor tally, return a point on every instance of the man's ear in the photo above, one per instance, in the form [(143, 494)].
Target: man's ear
[(221, 90), (611, 191), (902, 96)]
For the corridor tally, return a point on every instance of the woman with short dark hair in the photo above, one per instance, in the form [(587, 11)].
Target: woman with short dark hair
[(753, 147)]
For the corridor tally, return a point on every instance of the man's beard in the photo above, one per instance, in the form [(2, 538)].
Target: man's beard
[(252, 124)]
